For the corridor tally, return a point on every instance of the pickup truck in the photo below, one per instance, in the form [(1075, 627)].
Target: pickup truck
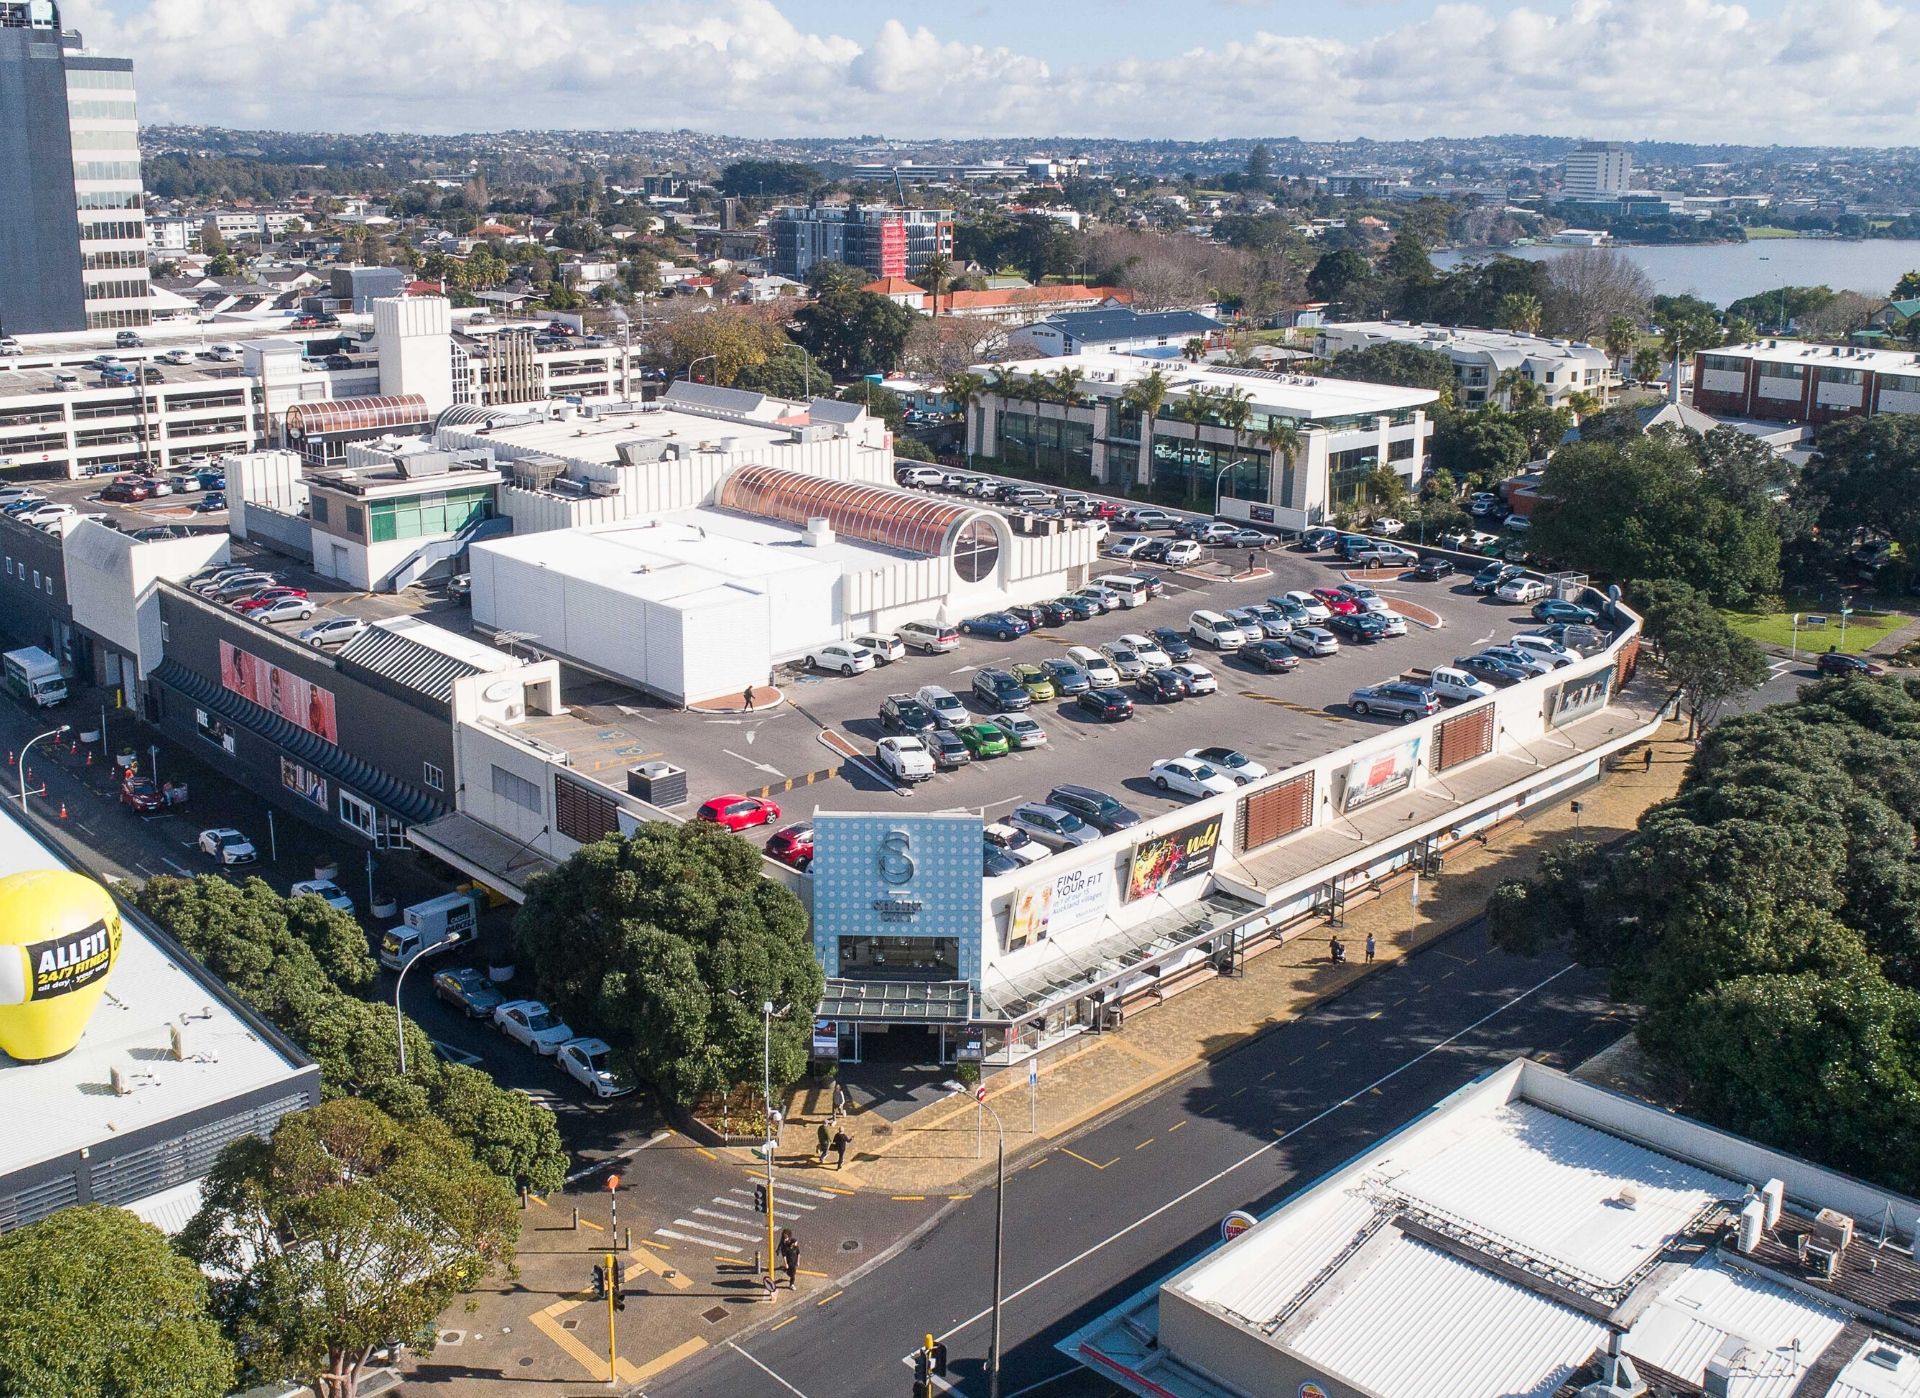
[(905, 759)]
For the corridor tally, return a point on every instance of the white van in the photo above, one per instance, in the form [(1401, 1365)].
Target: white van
[(1131, 591), (1213, 629)]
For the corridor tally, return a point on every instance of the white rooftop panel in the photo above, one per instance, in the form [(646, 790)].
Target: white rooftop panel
[(1419, 1323), (1699, 1312), (1880, 1369), (1561, 1191), (1255, 1283)]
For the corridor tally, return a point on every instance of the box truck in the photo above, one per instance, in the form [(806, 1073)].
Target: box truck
[(35, 676), (428, 924)]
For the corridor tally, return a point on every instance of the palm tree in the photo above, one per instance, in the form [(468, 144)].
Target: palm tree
[(1620, 338), (1234, 408), (1283, 439), (1682, 339), (1581, 403), (1520, 312), (1193, 349), (965, 390), (937, 272), (1147, 395), (1521, 391), (1067, 383), (1196, 409)]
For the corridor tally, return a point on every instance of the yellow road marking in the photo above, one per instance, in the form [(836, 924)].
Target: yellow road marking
[(1235, 1093), (1301, 1059), (831, 1190), (1175, 1127), (736, 1261), (660, 1267), (910, 1198), (1325, 1045), (829, 1296), (538, 1200), (547, 1323), (1376, 1014), (1083, 1159), (782, 1324), (1398, 1003), (596, 1227), (704, 1151), (1263, 1079), (1144, 1144), (653, 1368), (805, 1273), (957, 1197)]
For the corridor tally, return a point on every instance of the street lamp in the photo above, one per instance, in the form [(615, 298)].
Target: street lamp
[(716, 365), (50, 733), (767, 1012), (1221, 475), (979, 1096), (399, 1023)]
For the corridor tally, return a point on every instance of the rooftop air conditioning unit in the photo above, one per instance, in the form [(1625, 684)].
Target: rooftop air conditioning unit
[(179, 1049), (1774, 1194), (1753, 1225), (1833, 1228)]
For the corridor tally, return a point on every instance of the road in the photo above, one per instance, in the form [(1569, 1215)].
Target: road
[(1097, 1218)]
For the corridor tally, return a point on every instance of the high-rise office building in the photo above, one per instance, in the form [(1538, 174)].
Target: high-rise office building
[(73, 241), (1598, 169), (880, 240)]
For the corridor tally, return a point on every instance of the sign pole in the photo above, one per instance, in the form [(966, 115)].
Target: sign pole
[(1033, 1095), (613, 1358)]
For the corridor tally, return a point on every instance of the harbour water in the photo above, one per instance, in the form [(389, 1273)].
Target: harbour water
[(1723, 272)]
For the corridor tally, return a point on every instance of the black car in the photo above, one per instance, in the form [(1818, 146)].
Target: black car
[(1161, 686), (1315, 540), (1269, 656), (1173, 642), (1433, 568), (1096, 808), (1485, 667), (902, 713), (1153, 551), (1356, 626), (1834, 663), (1000, 691), (997, 861), (338, 361), (1106, 704), (149, 374), (1032, 616), (1495, 573)]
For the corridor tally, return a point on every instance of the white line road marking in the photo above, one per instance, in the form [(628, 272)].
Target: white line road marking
[(177, 868), (455, 1055), (691, 1238), (780, 1190), (762, 766), (709, 1228), (748, 1218), (810, 1193), (1257, 1153), (765, 1370), (626, 1154), (964, 670)]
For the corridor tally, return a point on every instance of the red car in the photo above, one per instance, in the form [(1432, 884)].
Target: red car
[(1107, 509), (266, 597), (1336, 602), (127, 492), (142, 795), (793, 846), (738, 812)]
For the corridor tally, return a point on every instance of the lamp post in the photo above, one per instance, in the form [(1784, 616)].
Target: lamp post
[(50, 733), (399, 1021), (767, 1011), (979, 1096), (1221, 475), (690, 363)]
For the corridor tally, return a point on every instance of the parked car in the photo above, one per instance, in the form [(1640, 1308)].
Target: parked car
[(1483, 502), (1493, 575), (1021, 730), (1336, 602), (1495, 672), (1432, 568), (326, 890), (1051, 826), (1183, 553), (1125, 663), (124, 492), (1522, 589), (736, 813), (1310, 604), (1318, 540), (1553, 609), (929, 637), (1519, 523), (1243, 769), (1141, 519), (999, 626), (1155, 551), (1359, 626), (1527, 660), (945, 706), (1389, 528), (999, 690), (175, 356), (1395, 699), (589, 1062), (531, 1024), (1107, 703), (228, 847), (792, 845), (902, 713), (1269, 657), (947, 749), (1190, 777), (842, 657), (983, 740), (886, 646), (905, 759), (1038, 683), (1161, 685), (1362, 596), (241, 585), (996, 861), (1197, 677), (276, 609), (1313, 640), (1068, 678), (1548, 650), (142, 796), (1833, 662), (1125, 545), (1583, 640), (1103, 812), (470, 990), (1100, 671), (1172, 644), (1106, 599), (334, 631), (1015, 843), (1457, 685), (1078, 607), (211, 503)]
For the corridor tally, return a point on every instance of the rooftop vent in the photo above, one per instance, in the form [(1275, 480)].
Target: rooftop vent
[(817, 534)]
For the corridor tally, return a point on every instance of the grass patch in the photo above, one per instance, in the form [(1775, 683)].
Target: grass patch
[(1767, 231), (1865, 629)]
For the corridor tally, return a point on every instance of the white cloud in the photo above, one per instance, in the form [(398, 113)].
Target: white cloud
[(1814, 71)]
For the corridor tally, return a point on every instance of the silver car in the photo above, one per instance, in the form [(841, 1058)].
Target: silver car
[(1129, 665), (1313, 640), (336, 631), (1052, 826)]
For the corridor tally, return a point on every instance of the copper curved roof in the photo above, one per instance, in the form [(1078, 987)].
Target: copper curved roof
[(356, 414), (895, 519)]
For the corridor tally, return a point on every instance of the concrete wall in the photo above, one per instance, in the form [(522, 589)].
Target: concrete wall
[(113, 582)]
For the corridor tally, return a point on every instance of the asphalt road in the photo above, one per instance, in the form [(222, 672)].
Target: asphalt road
[(1099, 1217)]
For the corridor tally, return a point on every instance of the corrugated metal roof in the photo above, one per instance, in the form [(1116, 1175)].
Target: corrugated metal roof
[(1696, 1314), (1893, 1373), (1120, 323), (1255, 1284), (405, 661), (1419, 1323), (357, 414), (683, 393)]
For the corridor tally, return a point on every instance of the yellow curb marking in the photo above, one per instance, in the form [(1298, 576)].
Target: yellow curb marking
[(909, 1198), (1083, 1159), (1144, 1144), (660, 1268), (653, 1368), (831, 1190), (805, 1273), (736, 1261), (829, 1296), (1235, 1093), (957, 1197), (782, 1324), (596, 1227), (1264, 1078), (1175, 1127), (704, 1151), (538, 1199), (1301, 1059)]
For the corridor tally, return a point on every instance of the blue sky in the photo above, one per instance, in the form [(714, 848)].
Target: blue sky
[(1762, 71)]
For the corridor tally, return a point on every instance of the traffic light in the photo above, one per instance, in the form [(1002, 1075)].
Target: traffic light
[(619, 1285), (922, 1374), (760, 1198), (939, 1353), (599, 1282)]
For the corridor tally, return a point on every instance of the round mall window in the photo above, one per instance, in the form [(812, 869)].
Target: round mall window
[(976, 551)]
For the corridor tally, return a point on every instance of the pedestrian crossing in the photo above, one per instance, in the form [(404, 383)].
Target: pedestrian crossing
[(728, 1222)]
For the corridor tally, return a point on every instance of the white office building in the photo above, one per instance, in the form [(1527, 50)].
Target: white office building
[(1482, 359), (1598, 170)]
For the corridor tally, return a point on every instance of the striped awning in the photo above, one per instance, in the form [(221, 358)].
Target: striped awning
[(357, 415)]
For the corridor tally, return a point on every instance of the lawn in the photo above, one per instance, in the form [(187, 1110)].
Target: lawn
[(1865, 629), (1766, 231)]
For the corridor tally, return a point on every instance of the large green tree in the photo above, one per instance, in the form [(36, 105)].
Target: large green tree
[(668, 941), (97, 1303), (345, 1231), (1707, 660), (853, 332), (1406, 365), (1865, 476)]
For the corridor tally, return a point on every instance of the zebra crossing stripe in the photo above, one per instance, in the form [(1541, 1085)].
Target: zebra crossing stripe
[(710, 1228), (691, 1238), (780, 1197), (781, 1186)]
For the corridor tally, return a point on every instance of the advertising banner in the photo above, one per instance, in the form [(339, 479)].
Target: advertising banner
[(1382, 774), (826, 1038), (305, 781), (1578, 698), (278, 691), (1163, 860), (1059, 903)]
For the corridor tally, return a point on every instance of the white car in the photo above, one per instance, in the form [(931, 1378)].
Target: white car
[(1483, 503), (1313, 640), (905, 759), (1520, 524), (1457, 685), (1147, 650), (1315, 609), (326, 891), (175, 356), (1125, 663), (1022, 732), (1389, 528), (1395, 623), (228, 847), (40, 516), (1190, 777), (1547, 649), (846, 657), (1017, 843), (1183, 553), (1238, 765), (1199, 678), (336, 631), (1522, 589), (284, 609), (944, 705), (531, 1023), (885, 646), (589, 1063), (1126, 546), (1100, 671)]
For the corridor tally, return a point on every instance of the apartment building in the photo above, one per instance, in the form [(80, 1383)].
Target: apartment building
[(1793, 381), (1598, 170), (1483, 358), (885, 241), (73, 238)]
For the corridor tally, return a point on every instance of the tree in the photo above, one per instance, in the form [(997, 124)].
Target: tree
[(965, 390), (937, 272), (1521, 313), (345, 1231), (1707, 660), (1338, 273), (1480, 446), (649, 936), (1780, 307), (1591, 287), (1282, 438), (854, 332), (1646, 364), (1864, 477), (1409, 366), (882, 403), (1194, 350), (1196, 409), (98, 1303), (729, 339), (1684, 335), (1847, 312), (1622, 334), (212, 240), (1259, 166), (1907, 287), (787, 371), (1520, 389)]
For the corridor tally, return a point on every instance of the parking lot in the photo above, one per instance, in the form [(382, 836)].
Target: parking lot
[(1275, 719), (181, 510)]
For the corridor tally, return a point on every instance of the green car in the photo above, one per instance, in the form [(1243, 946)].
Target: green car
[(1037, 682), (984, 740)]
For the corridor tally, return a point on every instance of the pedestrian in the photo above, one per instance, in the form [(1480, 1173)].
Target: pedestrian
[(1646, 764), (746, 698), (840, 1143), (1336, 950), (789, 1255), (839, 1099), (824, 1139), (1369, 948)]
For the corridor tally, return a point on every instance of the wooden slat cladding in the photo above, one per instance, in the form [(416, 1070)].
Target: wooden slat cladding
[(582, 813), (1464, 737), (1268, 815)]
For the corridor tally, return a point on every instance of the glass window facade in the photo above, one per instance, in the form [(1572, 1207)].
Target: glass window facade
[(1347, 473), (1184, 470), (1056, 446), (428, 515)]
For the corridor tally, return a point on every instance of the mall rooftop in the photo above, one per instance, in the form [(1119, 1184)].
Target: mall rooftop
[(1274, 392)]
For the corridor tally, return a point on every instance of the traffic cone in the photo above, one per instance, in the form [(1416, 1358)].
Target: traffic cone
[(10, 757), (63, 810), (89, 757)]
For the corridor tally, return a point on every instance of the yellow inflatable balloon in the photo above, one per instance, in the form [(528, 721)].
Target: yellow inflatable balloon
[(59, 939)]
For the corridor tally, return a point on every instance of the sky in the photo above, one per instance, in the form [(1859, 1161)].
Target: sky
[(1791, 72)]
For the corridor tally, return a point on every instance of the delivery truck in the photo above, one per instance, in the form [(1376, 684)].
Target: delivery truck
[(428, 924), (35, 676)]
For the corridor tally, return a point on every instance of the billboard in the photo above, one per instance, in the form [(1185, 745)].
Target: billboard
[(1381, 774), (279, 691), (1578, 698), (1060, 903), (1168, 859), (304, 781)]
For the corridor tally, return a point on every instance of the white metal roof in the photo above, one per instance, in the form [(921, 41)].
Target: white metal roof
[(1273, 391), (1419, 1323), (1879, 1369), (1690, 1320), (1881, 361)]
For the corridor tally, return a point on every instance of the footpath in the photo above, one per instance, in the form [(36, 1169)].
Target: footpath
[(939, 1150)]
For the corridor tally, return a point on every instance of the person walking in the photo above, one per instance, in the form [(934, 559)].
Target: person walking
[(790, 1256), (824, 1139), (839, 1100), (1646, 764), (1369, 948), (746, 698), (840, 1143), (1337, 950)]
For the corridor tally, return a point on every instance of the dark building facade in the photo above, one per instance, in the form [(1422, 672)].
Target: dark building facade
[(885, 242), (72, 226)]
